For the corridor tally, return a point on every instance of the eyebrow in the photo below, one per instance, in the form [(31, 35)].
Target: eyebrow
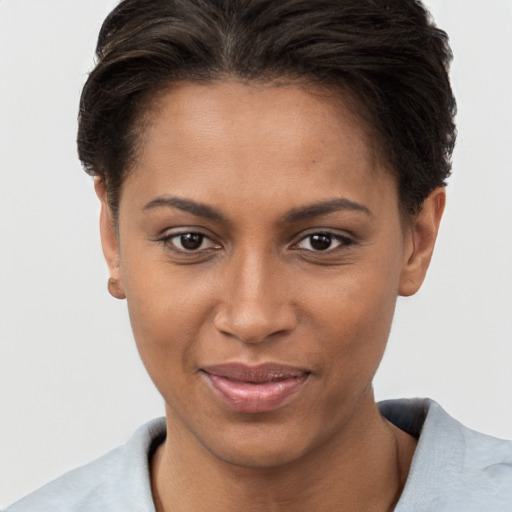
[(186, 205), (326, 207), (294, 215)]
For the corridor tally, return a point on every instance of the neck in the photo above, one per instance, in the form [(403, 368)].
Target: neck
[(363, 468)]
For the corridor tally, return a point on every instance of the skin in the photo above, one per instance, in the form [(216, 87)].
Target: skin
[(257, 291)]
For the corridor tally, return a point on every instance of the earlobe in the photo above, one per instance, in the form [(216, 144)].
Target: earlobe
[(115, 288), (109, 242), (421, 241)]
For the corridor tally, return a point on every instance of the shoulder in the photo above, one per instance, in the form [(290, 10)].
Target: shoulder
[(117, 482), (454, 468)]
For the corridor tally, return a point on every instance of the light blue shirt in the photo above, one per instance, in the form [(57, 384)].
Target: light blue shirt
[(454, 469)]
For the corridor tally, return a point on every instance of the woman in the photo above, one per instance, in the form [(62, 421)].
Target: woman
[(272, 177)]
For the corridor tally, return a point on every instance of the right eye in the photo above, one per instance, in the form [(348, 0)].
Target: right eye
[(189, 242)]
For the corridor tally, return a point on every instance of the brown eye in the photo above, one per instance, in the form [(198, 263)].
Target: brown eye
[(324, 242), (189, 242), (320, 242)]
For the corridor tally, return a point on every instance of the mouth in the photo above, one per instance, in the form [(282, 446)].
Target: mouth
[(255, 389)]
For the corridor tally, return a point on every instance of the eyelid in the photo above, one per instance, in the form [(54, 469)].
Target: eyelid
[(345, 240), (169, 234)]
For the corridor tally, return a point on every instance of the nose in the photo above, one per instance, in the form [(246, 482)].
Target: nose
[(256, 305)]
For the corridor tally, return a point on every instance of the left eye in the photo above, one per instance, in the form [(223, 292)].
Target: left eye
[(190, 242), (322, 242)]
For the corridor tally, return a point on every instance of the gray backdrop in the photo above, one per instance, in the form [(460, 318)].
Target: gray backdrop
[(71, 385)]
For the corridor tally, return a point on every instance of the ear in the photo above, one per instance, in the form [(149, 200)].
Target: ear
[(109, 242), (420, 240)]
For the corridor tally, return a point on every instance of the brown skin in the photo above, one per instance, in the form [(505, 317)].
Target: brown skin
[(257, 291)]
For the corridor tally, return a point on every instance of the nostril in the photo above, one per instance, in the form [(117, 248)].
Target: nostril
[(255, 326)]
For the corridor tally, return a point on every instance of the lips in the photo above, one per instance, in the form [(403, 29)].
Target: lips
[(255, 389)]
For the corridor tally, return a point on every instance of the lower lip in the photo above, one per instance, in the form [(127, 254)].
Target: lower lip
[(253, 397)]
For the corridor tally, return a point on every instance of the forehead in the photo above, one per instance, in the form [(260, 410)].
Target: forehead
[(285, 113), (204, 139)]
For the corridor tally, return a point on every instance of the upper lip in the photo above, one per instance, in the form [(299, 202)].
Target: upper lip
[(267, 372)]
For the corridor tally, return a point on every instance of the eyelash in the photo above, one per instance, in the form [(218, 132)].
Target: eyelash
[(168, 242), (343, 242)]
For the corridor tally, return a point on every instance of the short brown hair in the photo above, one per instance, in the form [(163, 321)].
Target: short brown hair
[(387, 53)]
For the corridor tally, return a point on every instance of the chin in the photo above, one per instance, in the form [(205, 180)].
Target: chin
[(259, 447), (258, 457)]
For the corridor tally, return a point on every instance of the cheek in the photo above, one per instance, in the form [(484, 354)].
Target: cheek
[(358, 316), (355, 312), (167, 311)]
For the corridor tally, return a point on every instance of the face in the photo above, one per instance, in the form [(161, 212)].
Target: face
[(261, 251)]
